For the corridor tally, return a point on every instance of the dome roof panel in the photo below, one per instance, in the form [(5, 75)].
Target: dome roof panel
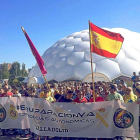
[(35, 72), (132, 53), (83, 69), (58, 49), (81, 35), (64, 73), (95, 57), (60, 41), (109, 68), (60, 63), (82, 46), (128, 66), (85, 31), (74, 34), (75, 58), (74, 42), (52, 61), (119, 57), (85, 38), (66, 51), (66, 40), (51, 72), (126, 44), (49, 51)]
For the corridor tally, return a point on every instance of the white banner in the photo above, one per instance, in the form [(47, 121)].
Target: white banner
[(93, 120)]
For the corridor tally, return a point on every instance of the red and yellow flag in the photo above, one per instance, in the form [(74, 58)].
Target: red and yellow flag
[(105, 43)]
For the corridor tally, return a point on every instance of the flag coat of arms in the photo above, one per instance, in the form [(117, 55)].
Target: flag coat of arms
[(103, 42)]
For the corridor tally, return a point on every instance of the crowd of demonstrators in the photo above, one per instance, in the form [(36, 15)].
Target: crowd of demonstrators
[(77, 92)]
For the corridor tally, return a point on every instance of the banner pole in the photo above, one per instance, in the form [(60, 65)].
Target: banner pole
[(93, 92), (46, 82)]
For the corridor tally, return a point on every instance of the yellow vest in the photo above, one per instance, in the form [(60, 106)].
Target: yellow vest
[(130, 98)]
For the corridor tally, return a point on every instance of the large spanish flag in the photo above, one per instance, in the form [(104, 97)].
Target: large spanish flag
[(103, 42)]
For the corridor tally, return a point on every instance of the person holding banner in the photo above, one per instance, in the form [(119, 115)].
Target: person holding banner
[(23, 91), (88, 92), (67, 97), (32, 93), (15, 91), (38, 90), (1, 91), (48, 97), (129, 96), (80, 97), (114, 95), (6, 84), (97, 97), (57, 94), (7, 92)]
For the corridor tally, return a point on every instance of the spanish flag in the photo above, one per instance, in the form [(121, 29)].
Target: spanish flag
[(103, 42)]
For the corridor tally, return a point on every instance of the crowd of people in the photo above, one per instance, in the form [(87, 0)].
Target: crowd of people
[(78, 92)]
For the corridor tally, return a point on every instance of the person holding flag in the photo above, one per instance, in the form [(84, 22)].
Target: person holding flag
[(38, 58)]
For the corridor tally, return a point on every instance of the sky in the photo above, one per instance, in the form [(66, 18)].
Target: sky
[(47, 21)]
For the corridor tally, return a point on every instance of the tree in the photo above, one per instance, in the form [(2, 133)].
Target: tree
[(4, 71), (15, 69), (23, 70)]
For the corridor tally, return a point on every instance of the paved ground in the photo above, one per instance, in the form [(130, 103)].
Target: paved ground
[(12, 138), (8, 138)]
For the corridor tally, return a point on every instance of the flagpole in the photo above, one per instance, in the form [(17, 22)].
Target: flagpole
[(93, 92), (36, 60), (47, 83)]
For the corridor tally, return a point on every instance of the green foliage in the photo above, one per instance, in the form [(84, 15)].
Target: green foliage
[(10, 81), (4, 72), (15, 69), (20, 79), (14, 74), (17, 81), (23, 71)]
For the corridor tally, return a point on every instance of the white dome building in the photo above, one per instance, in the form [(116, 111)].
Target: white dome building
[(70, 58)]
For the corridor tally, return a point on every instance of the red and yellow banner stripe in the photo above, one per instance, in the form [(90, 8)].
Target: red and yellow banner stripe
[(105, 43)]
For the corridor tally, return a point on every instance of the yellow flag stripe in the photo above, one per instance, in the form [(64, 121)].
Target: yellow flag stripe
[(105, 43)]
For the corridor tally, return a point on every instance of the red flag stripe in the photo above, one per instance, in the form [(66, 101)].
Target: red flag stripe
[(108, 34), (102, 52)]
